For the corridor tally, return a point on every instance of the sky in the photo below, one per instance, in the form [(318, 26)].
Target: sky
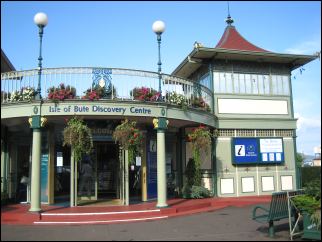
[(119, 35)]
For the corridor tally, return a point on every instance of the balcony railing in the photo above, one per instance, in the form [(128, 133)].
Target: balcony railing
[(120, 84)]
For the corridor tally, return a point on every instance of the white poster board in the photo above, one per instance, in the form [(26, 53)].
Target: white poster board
[(287, 183), (227, 185), (59, 159), (248, 184), (267, 183)]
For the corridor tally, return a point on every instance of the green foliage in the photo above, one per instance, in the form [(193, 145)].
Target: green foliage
[(307, 203), (201, 142), (193, 188), (316, 218), (199, 192), (311, 202), (299, 159), (79, 137), (193, 174), (313, 189), (309, 174), (186, 191)]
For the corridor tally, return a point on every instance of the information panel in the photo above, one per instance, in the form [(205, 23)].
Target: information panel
[(245, 150), (271, 150), (257, 150)]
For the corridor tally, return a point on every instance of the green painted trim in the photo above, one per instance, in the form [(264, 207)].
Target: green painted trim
[(211, 75), (214, 167)]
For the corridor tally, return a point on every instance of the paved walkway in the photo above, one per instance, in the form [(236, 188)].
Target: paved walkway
[(227, 224), (57, 215)]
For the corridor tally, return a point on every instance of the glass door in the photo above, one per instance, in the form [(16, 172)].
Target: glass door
[(107, 171), (87, 178)]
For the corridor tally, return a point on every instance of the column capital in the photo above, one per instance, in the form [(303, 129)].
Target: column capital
[(160, 123), (37, 121)]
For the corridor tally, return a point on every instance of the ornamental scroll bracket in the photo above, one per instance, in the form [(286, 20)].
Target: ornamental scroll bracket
[(37, 122)]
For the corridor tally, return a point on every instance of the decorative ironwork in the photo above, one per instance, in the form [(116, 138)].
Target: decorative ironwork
[(102, 78)]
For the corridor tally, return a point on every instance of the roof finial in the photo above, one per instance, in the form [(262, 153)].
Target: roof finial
[(229, 20)]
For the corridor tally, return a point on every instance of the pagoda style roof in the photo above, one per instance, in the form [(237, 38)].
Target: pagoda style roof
[(231, 39), (234, 47)]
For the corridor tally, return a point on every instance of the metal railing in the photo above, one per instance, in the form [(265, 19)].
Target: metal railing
[(120, 82)]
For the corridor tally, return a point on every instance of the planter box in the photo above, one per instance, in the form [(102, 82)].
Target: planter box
[(310, 230)]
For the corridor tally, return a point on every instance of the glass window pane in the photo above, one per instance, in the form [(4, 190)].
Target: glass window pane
[(248, 83), (242, 83), (229, 83), (286, 88), (274, 85), (260, 79), (236, 83), (254, 84), (222, 82), (266, 84), (216, 82)]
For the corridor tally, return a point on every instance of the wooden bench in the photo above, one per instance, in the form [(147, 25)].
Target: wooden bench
[(279, 209)]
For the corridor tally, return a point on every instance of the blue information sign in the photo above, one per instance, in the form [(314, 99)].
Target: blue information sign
[(245, 150), (257, 150)]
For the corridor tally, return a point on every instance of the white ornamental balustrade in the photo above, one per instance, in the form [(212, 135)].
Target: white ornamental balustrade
[(98, 83)]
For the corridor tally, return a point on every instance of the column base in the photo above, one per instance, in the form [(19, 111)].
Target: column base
[(35, 210), (162, 205)]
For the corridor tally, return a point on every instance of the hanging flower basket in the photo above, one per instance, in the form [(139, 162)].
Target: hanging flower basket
[(79, 137), (129, 137)]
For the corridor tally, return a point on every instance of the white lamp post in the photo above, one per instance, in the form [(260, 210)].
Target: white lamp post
[(41, 21), (158, 27)]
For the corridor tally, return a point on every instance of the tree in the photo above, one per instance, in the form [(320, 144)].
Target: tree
[(299, 159)]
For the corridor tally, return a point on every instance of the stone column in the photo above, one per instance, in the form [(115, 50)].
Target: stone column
[(160, 125), (36, 123)]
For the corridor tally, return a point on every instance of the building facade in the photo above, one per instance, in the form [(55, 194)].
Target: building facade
[(241, 92)]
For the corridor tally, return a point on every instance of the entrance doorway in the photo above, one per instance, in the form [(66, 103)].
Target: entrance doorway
[(107, 158), (98, 174)]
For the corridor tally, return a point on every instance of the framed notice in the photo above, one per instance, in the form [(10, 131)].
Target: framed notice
[(287, 183), (227, 185), (248, 184), (268, 183), (271, 150)]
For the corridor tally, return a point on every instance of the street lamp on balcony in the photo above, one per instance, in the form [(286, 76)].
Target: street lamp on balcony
[(158, 27), (41, 21)]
